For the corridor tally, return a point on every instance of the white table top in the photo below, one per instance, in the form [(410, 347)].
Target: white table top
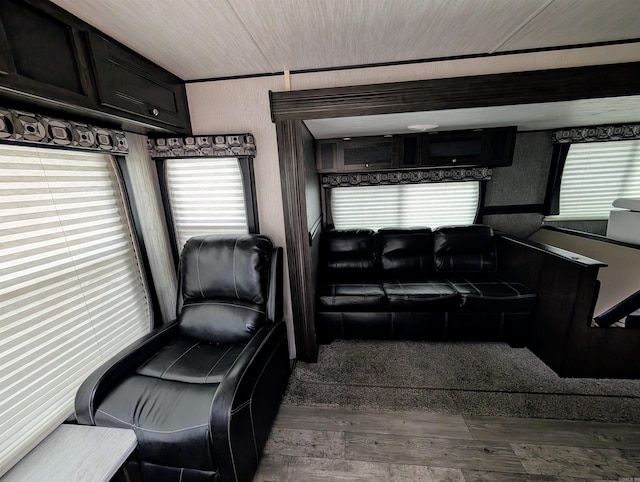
[(75, 453)]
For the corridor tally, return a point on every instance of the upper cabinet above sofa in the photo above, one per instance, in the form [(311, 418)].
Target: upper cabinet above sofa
[(54, 61), (482, 147)]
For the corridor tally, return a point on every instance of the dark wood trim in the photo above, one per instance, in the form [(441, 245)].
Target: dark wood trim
[(552, 251), (595, 237), (552, 195), (459, 92), (290, 153), (249, 188), (482, 197), (513, 209), (162, 181)]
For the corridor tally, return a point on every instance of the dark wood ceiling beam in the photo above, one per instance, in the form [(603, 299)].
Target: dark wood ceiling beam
[(600, 81)]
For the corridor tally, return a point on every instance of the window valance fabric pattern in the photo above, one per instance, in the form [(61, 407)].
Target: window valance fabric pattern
[(17, 126), (596, 134), (227, 145), (385, 178)]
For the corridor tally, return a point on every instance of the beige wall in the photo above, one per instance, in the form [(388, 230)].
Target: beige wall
[(236, 106)]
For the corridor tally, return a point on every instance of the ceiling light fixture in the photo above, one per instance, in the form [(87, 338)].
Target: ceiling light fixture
[(423, 127)]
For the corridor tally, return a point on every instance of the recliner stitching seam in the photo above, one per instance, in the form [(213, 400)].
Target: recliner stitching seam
[(216, 363), (235, 284), (133, 425), (198, 267), (178, 359)]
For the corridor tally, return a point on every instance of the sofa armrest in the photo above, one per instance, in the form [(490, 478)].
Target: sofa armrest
[(108, 375), (247, 402)]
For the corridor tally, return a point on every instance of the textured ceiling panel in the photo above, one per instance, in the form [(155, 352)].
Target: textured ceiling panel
[(307, 34), (574, 22), (194, 39), (199, 39)]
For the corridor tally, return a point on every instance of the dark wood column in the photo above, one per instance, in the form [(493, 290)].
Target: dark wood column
[(290, 152)]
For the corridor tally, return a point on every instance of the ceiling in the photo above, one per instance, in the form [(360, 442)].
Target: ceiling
[(200, 39), (208, 39)]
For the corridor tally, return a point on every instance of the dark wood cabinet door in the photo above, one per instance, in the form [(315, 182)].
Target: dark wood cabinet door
[(128, 82), (41, 53), (328, 151), (369, 153)]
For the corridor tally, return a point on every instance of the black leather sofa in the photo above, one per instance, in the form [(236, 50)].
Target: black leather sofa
[(418, 284), (201, 393)]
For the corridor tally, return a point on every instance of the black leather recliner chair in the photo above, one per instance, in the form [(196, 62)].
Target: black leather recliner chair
[(201, 393)]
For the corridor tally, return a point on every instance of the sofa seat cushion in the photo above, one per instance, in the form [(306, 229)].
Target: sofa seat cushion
[(347, 293), (489, 292), (419, 292)]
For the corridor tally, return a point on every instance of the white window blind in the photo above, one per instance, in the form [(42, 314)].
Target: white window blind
[(206, 196), (594, 175), (71, 291), (405, 205)]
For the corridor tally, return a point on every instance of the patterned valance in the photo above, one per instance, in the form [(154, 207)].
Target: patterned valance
[(596, 134), (406, 177), (28, 128), (203, 146)]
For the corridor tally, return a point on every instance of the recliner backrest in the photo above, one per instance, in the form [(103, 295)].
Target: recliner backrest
[(406, 249), (464, 248), (224, 286)]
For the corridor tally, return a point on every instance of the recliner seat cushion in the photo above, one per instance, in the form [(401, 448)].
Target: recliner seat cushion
[(426, 292), (464, 249), (488, 292), (192, 361)]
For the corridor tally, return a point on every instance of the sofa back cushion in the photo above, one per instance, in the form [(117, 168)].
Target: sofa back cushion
[(348, 250), (406, 250), (464, 248), (224, 285)]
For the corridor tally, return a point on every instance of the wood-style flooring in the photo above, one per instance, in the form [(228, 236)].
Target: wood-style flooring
[(309, 444)]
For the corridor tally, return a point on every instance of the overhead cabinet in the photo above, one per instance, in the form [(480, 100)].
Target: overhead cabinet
[(357, 154), (130, 83), (53, 61), (484, 147)]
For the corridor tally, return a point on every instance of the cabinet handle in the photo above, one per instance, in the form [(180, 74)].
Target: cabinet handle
[(366, 165), (454, 160), (155, 112)]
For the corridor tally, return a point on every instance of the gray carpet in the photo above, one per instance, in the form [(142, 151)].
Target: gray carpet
[(463, 378)]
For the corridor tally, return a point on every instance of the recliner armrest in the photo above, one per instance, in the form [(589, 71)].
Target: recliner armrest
[(247, 400), (108, 375)]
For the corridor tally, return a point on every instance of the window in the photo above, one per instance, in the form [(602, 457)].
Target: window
[(71, 291), (206, 196), (405, 205), (594, 175)]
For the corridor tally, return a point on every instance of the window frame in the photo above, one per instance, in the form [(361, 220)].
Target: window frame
[(249, 189), (554, 185)]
